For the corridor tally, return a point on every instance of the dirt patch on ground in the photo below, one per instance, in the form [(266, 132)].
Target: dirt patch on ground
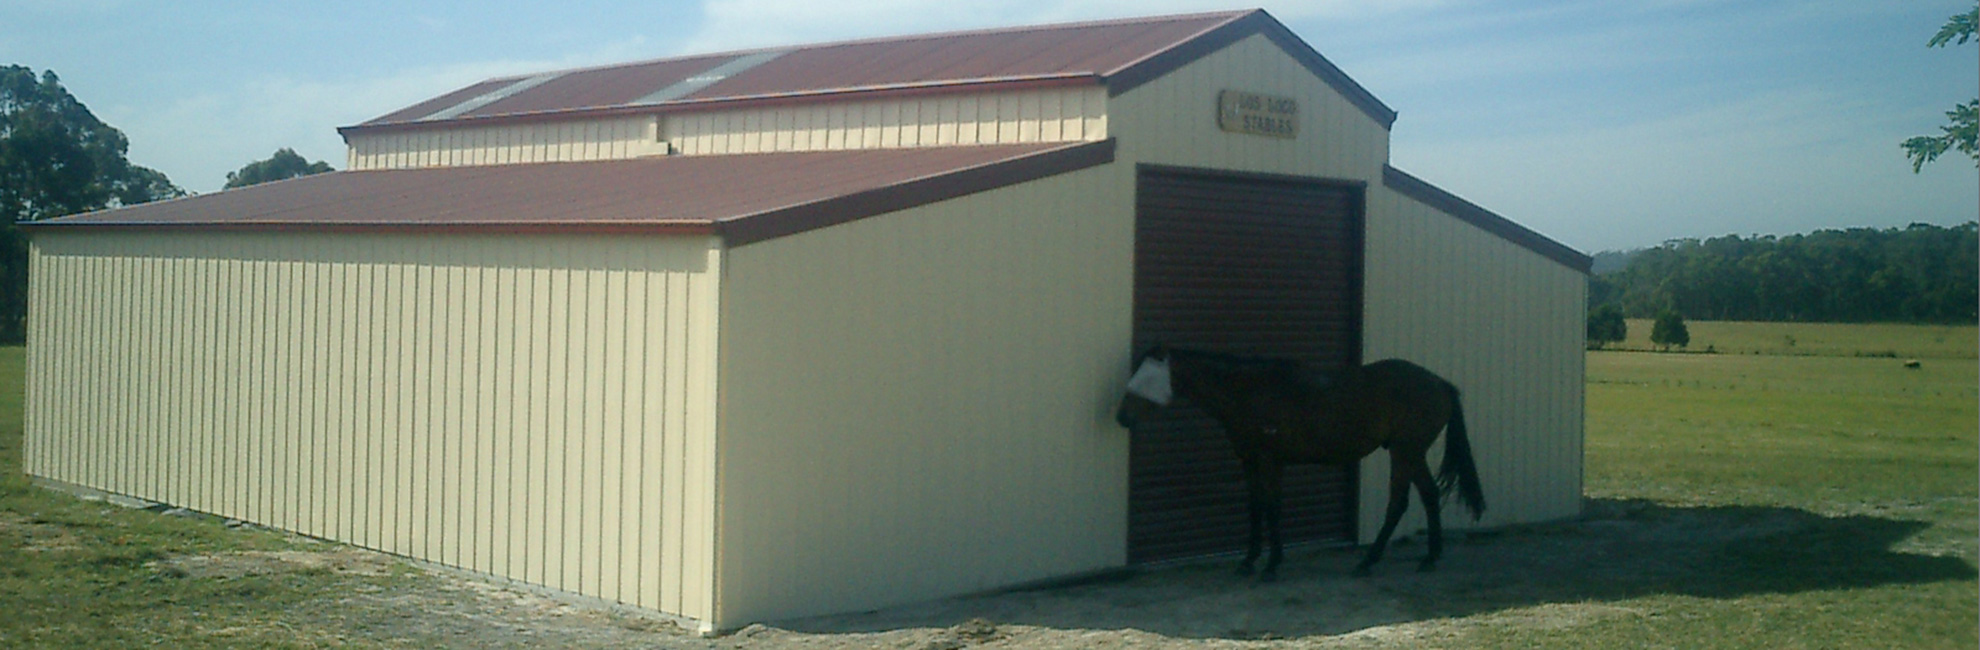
[(229, 566), (1178, 607), (38, 536), (1550, 578)]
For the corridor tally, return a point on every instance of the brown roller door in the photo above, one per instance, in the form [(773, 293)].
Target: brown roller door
[(1249, 264)]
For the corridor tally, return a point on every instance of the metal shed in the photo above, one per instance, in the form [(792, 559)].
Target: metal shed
[(799, 330)]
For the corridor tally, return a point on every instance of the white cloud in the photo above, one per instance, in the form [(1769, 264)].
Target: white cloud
[(197, 139)]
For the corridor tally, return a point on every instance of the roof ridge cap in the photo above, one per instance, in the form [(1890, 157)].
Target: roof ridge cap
[(1232, 18), (1229, 16), (1008, 29)]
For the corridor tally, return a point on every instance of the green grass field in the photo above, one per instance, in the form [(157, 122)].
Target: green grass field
[(84, 574), (1813, 495), (1873, 466)]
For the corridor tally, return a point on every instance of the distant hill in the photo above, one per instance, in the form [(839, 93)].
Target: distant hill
[(1921, 273)]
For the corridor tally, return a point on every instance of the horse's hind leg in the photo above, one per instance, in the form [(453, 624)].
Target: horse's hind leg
[(1399, 481), (1426, 488)]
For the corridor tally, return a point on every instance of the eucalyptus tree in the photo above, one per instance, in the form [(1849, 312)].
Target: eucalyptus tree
[(56, 159)]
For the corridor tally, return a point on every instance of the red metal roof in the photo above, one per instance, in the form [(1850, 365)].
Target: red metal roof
[(744, 198), (1091, 50), (1120, 54)]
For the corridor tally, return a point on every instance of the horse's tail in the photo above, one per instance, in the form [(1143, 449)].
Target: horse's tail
[(1459, 471)]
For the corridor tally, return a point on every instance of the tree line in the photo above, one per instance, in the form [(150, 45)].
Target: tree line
[(1917, 274), (1921, 273), (58, 159)]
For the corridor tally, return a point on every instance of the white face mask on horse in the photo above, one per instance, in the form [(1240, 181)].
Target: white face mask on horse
[(1152, 382)]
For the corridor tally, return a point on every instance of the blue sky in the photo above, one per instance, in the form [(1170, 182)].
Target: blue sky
[(1606, 125)]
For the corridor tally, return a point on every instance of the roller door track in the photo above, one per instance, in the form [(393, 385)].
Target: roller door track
[(1250, 264)]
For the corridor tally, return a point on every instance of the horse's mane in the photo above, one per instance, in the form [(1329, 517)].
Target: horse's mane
[(1290, 373), (1236, 361)]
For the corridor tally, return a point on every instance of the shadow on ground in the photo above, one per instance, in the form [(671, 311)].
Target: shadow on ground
[(1621, 549)]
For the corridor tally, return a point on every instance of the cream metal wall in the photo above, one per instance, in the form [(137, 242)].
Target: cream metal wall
[(1506, 326), (1041, 115), (562, 141), (919, 404), (539, 409), (1502, 322)]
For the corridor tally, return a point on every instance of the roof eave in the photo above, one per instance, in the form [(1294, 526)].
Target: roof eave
[(769, 220), (1487, 220), (748, 229)]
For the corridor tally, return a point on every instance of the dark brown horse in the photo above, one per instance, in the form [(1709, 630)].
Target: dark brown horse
[(1279, 413)]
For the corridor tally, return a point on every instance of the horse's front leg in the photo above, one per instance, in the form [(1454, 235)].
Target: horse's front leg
[(1254, 506), (1272, 476)]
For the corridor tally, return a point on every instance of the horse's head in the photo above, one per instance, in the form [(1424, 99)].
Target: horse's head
[(1149, 389)]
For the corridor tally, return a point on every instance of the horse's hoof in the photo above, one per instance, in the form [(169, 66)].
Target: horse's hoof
[(1270, 575), (1244, 570)]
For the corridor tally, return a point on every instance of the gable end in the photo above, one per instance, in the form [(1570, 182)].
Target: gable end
[(1255, 22)]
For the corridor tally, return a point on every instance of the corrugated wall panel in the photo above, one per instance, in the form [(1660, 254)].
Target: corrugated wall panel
[(895, 386), (1048, 115), (1503, 324), (518, 407), (576, 140)]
